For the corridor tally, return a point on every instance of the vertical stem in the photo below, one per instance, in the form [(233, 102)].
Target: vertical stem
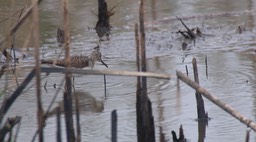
[(137, 52), (67, 94), (58, 125), (186, 69), (247, 138), (206, 66), (201, 115), (147, 132), (142, 47), (114, 126), (195, 70), (35, 21), (199, 99), (138, 92), (78, 129), (105, 86)]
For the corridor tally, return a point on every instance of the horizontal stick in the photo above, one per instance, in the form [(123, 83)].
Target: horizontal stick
[(216, 101), (106, 72)]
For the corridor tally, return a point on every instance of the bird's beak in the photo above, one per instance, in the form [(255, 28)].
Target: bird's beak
[(104, 63)]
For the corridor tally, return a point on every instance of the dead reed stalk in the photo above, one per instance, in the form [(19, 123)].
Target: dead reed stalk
[(58, 120), (199, 100), (142, 47), (206, 66), (145, 119), (114, 126), (137, 42), (78, 129), (67, 94), (40, 112)]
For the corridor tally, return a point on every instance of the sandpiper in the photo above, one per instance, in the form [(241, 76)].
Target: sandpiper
[(78, 61)]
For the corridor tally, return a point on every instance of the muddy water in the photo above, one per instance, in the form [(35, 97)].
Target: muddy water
[(231, 67)]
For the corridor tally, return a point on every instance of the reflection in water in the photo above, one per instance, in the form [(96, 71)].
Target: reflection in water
[(201, 131), (86, 103)]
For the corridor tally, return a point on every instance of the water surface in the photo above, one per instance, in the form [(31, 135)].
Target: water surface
[(231, 67)]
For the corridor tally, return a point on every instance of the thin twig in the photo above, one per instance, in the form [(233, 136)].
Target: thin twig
[(105, 86), (206, 66), (94, 13), (186, 69)]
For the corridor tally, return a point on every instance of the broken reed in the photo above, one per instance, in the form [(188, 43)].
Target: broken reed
[(145, 119), (201, 115)]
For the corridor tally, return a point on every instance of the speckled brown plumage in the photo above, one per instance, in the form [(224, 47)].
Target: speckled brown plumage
[(78, 61)]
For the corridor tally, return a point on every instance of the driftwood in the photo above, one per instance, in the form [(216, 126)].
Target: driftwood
[(216, 100), (189, 33)]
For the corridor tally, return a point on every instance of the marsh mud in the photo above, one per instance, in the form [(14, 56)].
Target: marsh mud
[(231, 56)]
